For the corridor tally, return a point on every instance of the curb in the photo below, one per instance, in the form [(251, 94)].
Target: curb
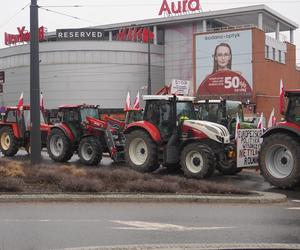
[(255, 198), (192, 247)]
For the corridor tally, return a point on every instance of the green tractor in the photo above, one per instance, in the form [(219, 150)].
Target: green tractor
[(223, 112)]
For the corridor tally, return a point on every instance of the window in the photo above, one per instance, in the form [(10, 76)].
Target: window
[(274, 54), (267, 51), (279, 56)]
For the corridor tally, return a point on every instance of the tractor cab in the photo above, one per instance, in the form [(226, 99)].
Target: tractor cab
[(166, 112), (293, 109), (15, 129), (223, 112)]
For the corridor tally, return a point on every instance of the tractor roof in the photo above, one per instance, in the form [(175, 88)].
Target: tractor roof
[(294, 92), (74, 106), (25, 107), (168, 97), (218, 101)]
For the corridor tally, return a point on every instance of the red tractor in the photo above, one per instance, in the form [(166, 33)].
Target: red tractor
[(169, 134), (280, 150), (81, 131), (15, 130)]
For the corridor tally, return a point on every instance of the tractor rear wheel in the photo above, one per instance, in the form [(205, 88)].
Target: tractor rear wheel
[(196, 161), (59, 146), (141, 152), (8, 142), (280, 160), (90, 151)]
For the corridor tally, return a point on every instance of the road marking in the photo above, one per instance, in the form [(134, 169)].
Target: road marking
[(153, 226), (296, 201), (294, 208)]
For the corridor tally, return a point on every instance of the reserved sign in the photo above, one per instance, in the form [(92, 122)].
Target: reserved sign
[(79, 34)]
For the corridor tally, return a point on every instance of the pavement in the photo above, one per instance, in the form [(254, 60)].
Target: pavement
[(253, 198), (192, 247)]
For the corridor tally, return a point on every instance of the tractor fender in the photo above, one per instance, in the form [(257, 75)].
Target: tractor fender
[(282, 129), (67, 131), (147, 126)]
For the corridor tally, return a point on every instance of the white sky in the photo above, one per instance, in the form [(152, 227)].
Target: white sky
[(96, 12)]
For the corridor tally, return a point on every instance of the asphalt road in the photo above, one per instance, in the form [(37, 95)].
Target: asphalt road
[(60, 225)]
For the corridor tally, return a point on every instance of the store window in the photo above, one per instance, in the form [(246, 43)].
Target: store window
[(267, 51)]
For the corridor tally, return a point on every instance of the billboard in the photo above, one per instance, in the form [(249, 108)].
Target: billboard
[(223, 64)]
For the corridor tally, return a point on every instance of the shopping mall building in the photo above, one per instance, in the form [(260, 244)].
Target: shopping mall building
[(100, 65)]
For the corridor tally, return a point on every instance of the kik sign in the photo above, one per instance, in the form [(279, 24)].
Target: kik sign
[(135, 35), (179, 7), (22, 36)]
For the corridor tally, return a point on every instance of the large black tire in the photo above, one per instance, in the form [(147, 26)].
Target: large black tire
[(141, 152), (8, 142), (90, 151), (59, 146), (280, 160), (196, 161), (228, 167)]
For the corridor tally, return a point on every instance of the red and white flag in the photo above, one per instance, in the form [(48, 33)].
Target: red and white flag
[(42, 102), (260, 124), (272, 119), (281, 97), (237, 126), (136, 104), (20, 103), (127, 103)]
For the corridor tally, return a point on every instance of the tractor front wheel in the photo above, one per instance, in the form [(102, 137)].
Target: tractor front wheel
[(59, 146), (141, 151), (8, 142), (197, 161), (90, 151), (280, 160)]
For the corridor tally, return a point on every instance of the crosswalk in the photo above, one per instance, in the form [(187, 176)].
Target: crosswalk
[(296, 207)]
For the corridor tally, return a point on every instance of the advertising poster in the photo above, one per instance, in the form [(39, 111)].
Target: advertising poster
[(223, 63), (248, 146)]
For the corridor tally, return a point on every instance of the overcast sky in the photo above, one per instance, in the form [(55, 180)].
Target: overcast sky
[(98, 12)]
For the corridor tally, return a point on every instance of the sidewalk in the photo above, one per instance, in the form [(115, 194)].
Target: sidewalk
[(255, 198)]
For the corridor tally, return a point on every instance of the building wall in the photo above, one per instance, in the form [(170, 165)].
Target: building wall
[(95, 72), (267, 74)]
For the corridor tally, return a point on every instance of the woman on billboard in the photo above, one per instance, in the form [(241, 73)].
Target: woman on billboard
[(222, 57)]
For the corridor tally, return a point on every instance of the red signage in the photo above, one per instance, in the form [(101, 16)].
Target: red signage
[(23, 36), (135, 35), (180, 7), (225, 82)]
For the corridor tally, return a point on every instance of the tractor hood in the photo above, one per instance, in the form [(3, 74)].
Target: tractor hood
[(212, 130)]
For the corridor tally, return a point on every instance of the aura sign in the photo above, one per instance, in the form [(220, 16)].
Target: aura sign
[(22, 36), (180, 7)]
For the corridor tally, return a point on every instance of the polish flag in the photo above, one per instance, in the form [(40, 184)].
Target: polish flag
[(237, 126), (281, 97), (20, 103), (127, 104), (272, 119), (136, 104), (260, 124), (42, 102)]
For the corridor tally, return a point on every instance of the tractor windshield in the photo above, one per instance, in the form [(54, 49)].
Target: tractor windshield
[(185, 110), (91, 112), (234, 108), (26, 114), (293, 111), (212, 112)]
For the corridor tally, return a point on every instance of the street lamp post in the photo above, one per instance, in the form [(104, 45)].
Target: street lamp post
[(35, 135), (149, 63)]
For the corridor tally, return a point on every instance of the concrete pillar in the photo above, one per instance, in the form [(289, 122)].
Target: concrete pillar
[(155, 35), (110, 36), (291, 36), (277, 30), (204, 25), (260, 21)]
